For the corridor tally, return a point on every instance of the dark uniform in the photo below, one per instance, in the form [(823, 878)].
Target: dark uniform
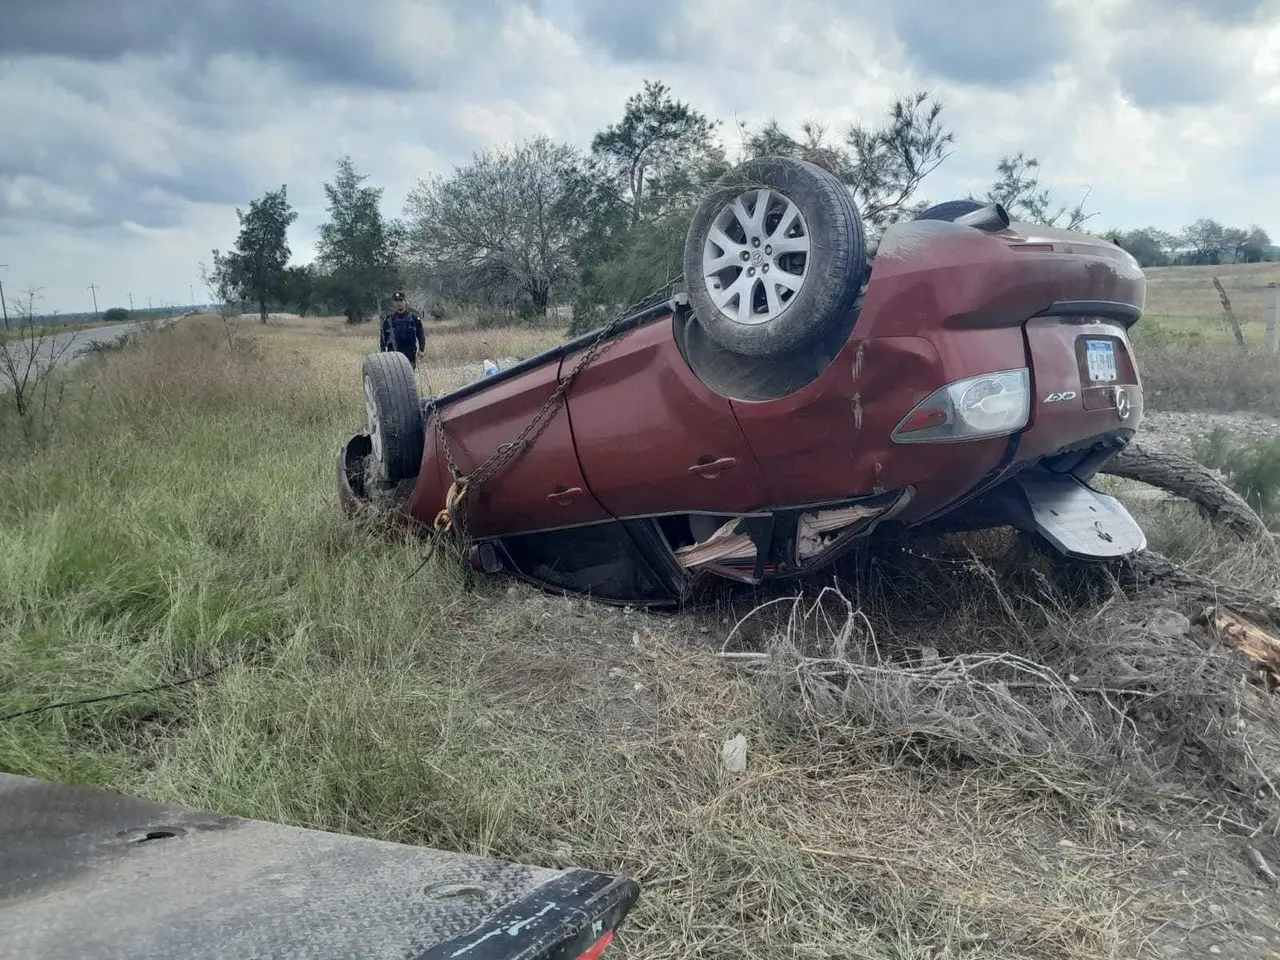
[(402, 330)]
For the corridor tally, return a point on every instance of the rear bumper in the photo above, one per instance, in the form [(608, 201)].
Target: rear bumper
[(1072, 517)]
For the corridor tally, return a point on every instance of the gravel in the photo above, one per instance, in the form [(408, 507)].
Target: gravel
[(1180, 432)]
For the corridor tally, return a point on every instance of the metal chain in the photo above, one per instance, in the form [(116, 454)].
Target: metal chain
[(455, 507)]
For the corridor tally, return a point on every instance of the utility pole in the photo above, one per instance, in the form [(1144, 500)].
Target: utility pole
[(131, 303), (148, 303), (3, 307), (192, 290), (94, 287)]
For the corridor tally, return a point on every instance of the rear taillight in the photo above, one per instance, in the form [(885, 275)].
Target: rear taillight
[(598, 948), (992, 405)]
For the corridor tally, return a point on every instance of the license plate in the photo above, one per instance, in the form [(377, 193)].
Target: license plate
[(1101, 357)]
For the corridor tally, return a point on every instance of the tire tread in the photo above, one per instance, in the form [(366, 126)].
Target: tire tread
[(399, 412)]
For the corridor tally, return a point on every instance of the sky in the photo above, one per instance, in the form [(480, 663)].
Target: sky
[(131, 130)]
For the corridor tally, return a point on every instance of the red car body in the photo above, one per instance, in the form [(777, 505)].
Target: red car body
[(643, 439)]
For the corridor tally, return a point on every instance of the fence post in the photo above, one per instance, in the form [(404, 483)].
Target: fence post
[(1230, 314), (1273, 318)]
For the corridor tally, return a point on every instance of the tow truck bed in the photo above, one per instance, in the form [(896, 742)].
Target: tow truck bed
[(88, 874)]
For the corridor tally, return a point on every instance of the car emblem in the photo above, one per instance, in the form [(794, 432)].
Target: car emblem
[(1124, 406)]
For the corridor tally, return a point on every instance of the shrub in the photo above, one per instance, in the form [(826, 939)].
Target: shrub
[(1252, 469), (116, 315)]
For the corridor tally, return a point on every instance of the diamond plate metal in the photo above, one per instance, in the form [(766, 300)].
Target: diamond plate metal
[(1080, 521), (78, 878)]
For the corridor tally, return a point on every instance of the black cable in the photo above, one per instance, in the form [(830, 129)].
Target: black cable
[(173, 684)]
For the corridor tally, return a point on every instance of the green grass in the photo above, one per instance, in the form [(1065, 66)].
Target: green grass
[(1252, 469), (183, 517), (1206, 331), (1190, 364)]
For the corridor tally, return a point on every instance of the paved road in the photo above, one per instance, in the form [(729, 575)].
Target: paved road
[(28, 359)]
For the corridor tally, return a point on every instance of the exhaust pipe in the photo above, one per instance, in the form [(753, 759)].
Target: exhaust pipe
[(992, 218)]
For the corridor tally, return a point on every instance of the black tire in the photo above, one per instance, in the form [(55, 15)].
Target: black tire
[(949, 210), (1193, 481), (834, 268), (398, 434)]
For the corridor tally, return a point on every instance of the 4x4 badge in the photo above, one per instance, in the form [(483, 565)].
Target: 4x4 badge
[(1124, 406)]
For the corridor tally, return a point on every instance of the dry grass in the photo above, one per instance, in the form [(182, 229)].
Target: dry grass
[(1189, 291), (1195, 365), (1187, 353), (449, 343), (186, 516)]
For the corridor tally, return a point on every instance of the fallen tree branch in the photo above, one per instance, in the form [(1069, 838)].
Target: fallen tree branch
[(1150, 569)]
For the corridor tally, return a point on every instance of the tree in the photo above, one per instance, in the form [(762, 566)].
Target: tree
[(355, 252), (302, 288), (501, 227), (657, 137), (1233, 241), (1149, 246), (28, 358), (116, 315), (1206, 239), (221, 287), (1257, 244), (884, 165), (1017, 188), (255, 269)]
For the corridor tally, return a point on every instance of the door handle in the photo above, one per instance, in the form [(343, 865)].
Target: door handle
[(714, 468), (565, 497)]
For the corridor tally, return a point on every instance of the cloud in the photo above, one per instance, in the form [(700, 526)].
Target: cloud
[(393, 44), (634, 31), (134, 129), (991, 42), (1180, 53), (1156, 76), (1224, 11)]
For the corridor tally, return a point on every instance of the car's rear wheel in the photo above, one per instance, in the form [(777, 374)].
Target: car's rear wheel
[(774, 257), (393, 417), (949, 210)]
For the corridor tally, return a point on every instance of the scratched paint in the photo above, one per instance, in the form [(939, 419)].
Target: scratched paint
[(906, 240), (857, 411), (879, 484), (515, 928), (475, 943), (857, 361), (511, 931)]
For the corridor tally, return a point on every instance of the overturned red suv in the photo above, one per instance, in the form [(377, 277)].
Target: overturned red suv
[(805, 390)]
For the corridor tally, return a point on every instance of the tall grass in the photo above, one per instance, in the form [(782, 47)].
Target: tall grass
[(184, 518), (1193, 368)]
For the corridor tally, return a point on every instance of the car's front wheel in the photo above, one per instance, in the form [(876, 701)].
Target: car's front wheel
[(393, 417), (775, 257)]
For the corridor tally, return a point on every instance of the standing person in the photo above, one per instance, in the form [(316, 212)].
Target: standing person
[(402, 330)]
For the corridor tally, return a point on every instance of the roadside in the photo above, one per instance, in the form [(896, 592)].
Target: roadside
[(64, 349), (184, 520)]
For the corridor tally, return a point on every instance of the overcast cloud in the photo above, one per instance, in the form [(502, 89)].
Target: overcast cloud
[(132, 130)]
